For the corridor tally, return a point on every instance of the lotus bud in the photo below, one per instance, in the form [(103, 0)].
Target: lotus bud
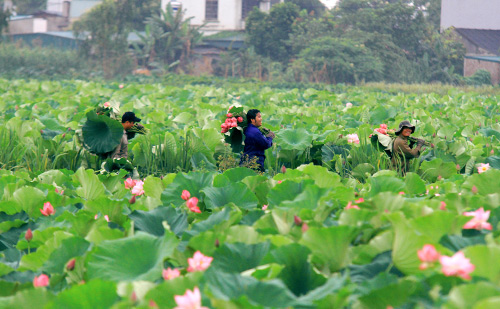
[(283, 169), (305, 227), (492, 152), (41, 131), (132, 200), (297, 220), (133, 297), (474, 189), (29, 235), (434, 134), (458, 167), (217, 243), (440, 177), (240, 119), (71, 264), (229, 115)]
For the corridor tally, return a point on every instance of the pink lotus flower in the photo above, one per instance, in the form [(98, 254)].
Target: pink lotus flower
[(107, 104), (192, 204), (427, 256), (483, 168), (457, 265), (29, 235), (129, 183), (353, 138), (279, 181), (297, 220), (229, 115), (190, 300), (359, 201), (480, 220), (106, 218), (443, 206), (137, 189), (264, 207), (120, 86), (351, 206), (383, 126), (199, 262), (61, 192), (348, 105), (170, 273), (47, 209), (40, 281), (185, 195), (401, 193), (240, 119), (382, 131)]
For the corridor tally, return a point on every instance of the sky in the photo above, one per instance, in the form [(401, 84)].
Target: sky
[(329, 3)]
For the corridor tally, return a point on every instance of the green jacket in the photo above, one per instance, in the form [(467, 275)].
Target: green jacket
[(402, 153)]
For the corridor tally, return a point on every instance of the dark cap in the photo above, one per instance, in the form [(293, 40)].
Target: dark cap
[(130, 116), (405, 124)]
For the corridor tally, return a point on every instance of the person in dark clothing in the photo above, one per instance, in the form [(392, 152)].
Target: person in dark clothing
[(255, 142), (403, 150), (128, 121)]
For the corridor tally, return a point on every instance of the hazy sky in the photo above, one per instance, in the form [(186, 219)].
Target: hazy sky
[(329, 3)]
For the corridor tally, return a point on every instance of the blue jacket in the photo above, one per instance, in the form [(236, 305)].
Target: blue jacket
[(255, 144)]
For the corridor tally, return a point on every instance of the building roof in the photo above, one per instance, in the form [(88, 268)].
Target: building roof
[(486, 39), (485, 58)]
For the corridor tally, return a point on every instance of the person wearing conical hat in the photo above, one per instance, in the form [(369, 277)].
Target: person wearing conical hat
[(403, 150)]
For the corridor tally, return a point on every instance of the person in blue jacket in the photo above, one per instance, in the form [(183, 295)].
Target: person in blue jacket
[(255, 142)]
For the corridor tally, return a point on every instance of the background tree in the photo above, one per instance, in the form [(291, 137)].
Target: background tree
[(169, 39), (4, 17), (105, 29), (269, 33), (311, 6), (27, 7)]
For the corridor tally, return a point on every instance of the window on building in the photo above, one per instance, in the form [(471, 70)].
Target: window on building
[(247, 6), (211, 9), (273, 2)]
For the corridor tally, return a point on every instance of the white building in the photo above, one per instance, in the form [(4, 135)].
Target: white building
[(219, 15)]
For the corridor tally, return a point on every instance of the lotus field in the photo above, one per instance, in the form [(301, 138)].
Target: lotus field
[(328, 225)]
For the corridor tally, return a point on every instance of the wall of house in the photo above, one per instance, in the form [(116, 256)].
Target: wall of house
[(473, 65), (229, 13), (470, 14), (21, 26)]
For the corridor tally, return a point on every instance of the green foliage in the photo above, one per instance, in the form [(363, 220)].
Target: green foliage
[(311, 6), (169, 40), (268, 33)]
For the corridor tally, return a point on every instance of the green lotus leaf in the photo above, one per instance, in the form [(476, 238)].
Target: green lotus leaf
[(239, 257), (70, 248), (135, 258), (237, 193), (152, 221), (485, 183), (294, 139), (93, 294), (385, 290), (29, 298), (101, 134), (488, 303), (484, 258), (90, 186), (407, 242), (287, 191), (31, 200), (467, 295), (431, 170), (235, 138), (414, 184), (458, 242), (329, 246), (493, 161), (384, 184), (322, 177), (298, 274)]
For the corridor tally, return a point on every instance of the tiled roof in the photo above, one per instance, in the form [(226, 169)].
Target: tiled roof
[(485, 39)]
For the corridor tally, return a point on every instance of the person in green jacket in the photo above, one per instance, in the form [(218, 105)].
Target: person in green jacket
[(403, 150)]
